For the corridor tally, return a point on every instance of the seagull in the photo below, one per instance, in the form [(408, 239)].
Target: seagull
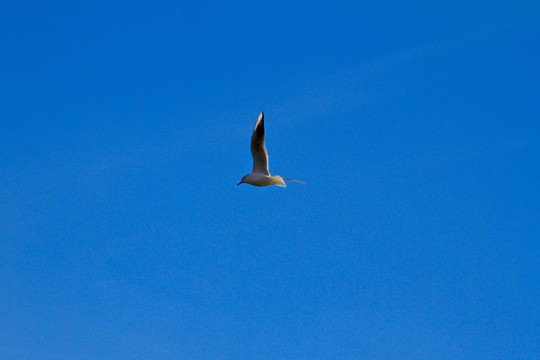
[(260, 175)]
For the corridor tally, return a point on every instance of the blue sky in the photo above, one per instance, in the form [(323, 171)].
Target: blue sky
[(126, 127)]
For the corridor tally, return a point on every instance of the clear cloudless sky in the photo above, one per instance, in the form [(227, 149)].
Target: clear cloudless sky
[(126, 125)]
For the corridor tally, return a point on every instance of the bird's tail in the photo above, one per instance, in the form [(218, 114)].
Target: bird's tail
[(296, 181)]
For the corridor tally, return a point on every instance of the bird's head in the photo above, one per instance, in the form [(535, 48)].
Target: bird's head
[(241, 181)]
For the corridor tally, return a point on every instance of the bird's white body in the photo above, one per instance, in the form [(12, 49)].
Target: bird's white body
[(260, 175), (257, 179)]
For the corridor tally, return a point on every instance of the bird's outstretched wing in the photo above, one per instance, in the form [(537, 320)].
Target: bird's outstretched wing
[(258, 150), (296, 181)]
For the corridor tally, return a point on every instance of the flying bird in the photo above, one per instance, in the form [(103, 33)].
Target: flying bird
[(260, 175)]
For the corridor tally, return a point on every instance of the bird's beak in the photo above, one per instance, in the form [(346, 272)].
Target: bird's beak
[(239, 183)]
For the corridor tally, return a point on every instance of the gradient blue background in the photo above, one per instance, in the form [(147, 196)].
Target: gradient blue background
[(126, 127)]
